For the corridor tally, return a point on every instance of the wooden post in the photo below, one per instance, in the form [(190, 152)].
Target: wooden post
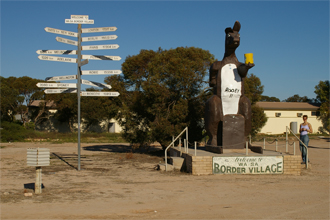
[(38, 184)]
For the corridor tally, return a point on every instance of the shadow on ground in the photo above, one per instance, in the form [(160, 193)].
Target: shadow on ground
[(122, 148)]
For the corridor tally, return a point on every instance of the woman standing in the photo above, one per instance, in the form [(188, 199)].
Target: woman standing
[(304, 129)]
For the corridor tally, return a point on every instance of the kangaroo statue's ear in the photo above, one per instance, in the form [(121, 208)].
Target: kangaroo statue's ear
[(228, 30), (237, 26)]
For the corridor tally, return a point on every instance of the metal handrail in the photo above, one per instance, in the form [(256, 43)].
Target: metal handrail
[(287, 128), (186, 129)]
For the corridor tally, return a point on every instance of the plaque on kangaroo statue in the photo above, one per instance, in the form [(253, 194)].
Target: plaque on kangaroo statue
[(228, 111)]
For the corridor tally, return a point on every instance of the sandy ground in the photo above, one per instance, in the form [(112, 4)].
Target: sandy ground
[(117, 184)]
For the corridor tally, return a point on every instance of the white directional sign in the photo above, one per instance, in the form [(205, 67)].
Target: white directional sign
[(101, 29), (100, 47), (100, 72), (99, 38), (67, 52), (91, 83), (58, 85), (101, 57), (80, 17), (54, 91), (55, 78), (112, 94), (60, 59), (78, 21), (57, 31), (67, 41)]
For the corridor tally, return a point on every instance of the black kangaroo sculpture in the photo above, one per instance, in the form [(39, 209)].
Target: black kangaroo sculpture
[(228, 111)]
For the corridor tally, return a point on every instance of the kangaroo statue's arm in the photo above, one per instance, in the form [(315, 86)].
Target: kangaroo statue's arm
[(243, 68), (214, 72)]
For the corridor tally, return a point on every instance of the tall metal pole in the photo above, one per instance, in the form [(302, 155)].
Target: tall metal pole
[(79, 88)]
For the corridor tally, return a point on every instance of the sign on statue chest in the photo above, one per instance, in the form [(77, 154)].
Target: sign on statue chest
[(231, 84)]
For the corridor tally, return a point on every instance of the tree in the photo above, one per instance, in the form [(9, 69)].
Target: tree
[(322, 91), (161, 94), (253, 90), (297, 98), (265, 98), (10, 100)]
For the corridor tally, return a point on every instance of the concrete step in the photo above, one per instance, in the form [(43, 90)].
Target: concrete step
[(176, 162), (162, 167)]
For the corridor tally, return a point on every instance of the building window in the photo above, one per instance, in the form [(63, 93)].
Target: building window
[(299, 114), (315, 113), (278, 114)]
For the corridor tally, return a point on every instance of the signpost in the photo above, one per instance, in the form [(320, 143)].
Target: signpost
[(66, 52), (57, 85), (76, 87), (66, 41), (60, 59), (54, 78), (57, 31), (95, 30), (110, 94), (100, 72), (100, 47), (99, 38), (56, 91), (91, 83), (101, 57)]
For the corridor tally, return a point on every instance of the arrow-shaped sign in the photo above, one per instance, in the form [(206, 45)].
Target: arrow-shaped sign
[(91, 83), (54, 91), (100, 57), (84, 62), (57, 31), (100, 72), (100, 47), (55, 78), (67, 41), (66, 52), (78, 21), (112, 94), (101, 29), (60, 59), (59, 85), (99, 38)]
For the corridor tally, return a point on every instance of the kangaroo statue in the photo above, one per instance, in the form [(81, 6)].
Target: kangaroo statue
[(228, 111)]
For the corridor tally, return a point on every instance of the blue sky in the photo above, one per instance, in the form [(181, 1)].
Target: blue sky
[(289, 39)]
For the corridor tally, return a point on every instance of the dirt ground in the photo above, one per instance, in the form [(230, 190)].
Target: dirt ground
[(117, 184)]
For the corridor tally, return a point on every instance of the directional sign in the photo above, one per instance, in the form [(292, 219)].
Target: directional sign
[(80, 17), (84, 62), (57, 31), (67, 41), (54, 91), (100, 72), (67, 52), (60, 59), (91, 83), (55, 78), (112, 94), (78, 21), (99, 38), (100, 47), (101, 57), (59, 85), (101, 29)]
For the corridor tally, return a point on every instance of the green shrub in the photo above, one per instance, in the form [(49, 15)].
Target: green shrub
[(12, 131)]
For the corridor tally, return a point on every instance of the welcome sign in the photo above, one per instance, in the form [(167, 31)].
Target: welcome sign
[(248, 165)]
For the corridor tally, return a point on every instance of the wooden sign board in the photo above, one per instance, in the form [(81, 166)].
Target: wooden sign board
[(63, 52), (58, 31), (56, 91), (100, 47), (101, 57), (101, 29), (67, 41), (99, 38), (59, 59), (57, 85), (109, 94), (100, 72), (55, 78)]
